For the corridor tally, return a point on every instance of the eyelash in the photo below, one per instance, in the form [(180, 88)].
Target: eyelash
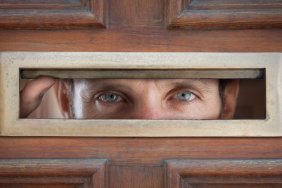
[(173, 94), (178, 95), (101, 94), (122, 98)]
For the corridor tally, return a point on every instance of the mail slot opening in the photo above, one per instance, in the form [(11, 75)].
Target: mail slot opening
[(143, 94)]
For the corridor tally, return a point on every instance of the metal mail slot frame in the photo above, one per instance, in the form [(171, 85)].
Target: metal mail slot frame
[(11, 64)]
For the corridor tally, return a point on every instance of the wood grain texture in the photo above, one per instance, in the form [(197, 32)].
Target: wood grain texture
[(223, 173), (140, 13), (134, 25), (137, 25), (54, 15), (38, 186), (139, 151), (223, 14), (123, 176), (138, 39), (85, 172)]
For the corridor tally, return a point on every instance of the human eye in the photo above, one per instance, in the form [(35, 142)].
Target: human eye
[(109, 104), (110, 97), (185, 96)]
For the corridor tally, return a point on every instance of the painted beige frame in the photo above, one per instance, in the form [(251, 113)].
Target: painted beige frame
[(11, 125)]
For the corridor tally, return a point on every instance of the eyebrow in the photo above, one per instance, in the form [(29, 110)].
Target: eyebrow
[(110, 84), (202, 84), (107, 84), (99, 85)]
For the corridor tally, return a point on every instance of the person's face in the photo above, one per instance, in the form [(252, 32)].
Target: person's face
[(146, 99)]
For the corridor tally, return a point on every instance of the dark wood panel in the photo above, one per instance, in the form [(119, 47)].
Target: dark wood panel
[(76, 172), (223, 173), (136, 12), (143, 39), (223, 14), (39, 4), (31, 14), (132, 25), (140, 151), (237, 185), (136, 176), (37, 186)]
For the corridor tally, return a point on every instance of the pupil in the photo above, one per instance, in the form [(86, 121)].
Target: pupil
[(111, 97), (184, 96)]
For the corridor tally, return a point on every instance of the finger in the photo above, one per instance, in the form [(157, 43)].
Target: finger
[(32, 94)]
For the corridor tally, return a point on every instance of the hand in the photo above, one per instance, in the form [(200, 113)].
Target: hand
[(32, 94)]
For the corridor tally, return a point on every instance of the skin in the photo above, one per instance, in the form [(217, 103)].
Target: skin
[(134, 98), (32, 94), (147, 99)]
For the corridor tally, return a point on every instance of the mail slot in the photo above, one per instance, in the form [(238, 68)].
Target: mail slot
[(128, 94), (141, 94)]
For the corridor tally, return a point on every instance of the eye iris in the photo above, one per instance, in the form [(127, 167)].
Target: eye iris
[(185, 96), (109, 97)]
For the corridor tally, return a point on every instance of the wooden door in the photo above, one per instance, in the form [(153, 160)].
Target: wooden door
[(140, 26)]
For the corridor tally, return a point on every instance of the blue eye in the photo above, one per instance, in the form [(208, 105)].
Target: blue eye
[(185, 96), (110, 97)]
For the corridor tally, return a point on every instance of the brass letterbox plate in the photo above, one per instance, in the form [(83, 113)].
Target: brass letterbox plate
[(247, 65)]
